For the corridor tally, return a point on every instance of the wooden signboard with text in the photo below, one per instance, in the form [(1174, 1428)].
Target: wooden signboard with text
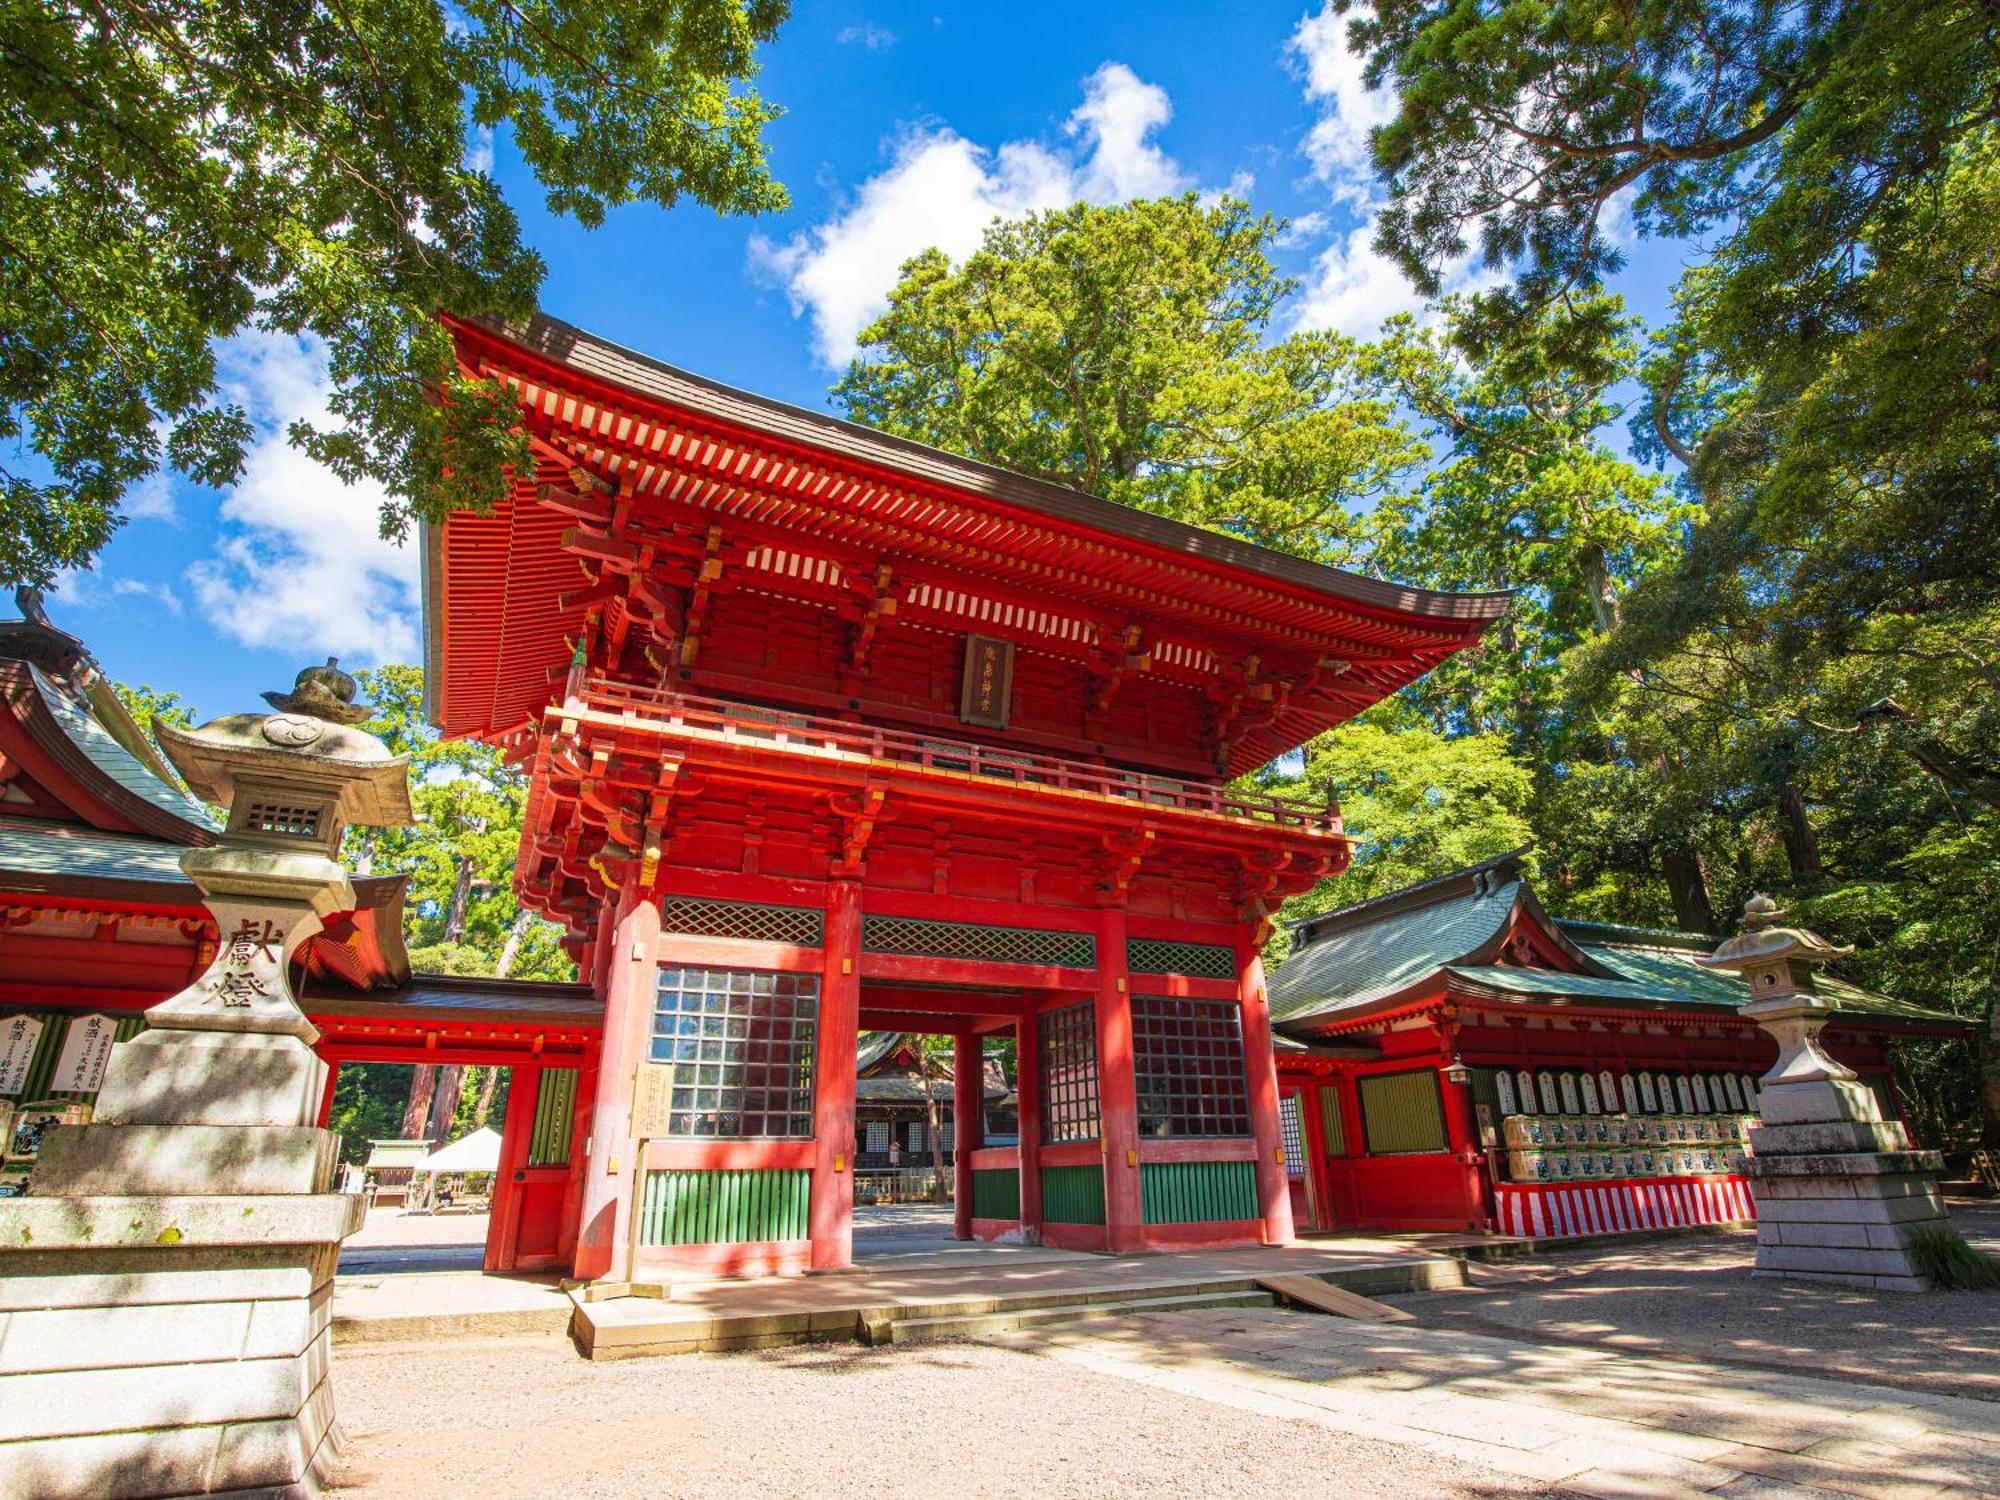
[(987, 693), (652, 1101)]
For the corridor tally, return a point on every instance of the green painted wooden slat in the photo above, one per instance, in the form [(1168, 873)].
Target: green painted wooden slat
[(996, 1193), (1330, 1121), (1402, 1113), (1073, 1195), (555, 1111), (726, 1207), (1197, 1192)]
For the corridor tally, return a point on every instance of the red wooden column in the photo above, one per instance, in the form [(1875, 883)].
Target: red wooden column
[(1312, 1134), (1274, 1198), (1117, 1090), (1461, 1126), (326, 1094), (579, 1164), (832, 1210), (503, 1225), (1028, 1095), (629, 983), (968, 1119)]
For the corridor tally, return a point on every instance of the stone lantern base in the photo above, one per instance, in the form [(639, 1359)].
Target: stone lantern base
[(1839, 1190), (166, 1294)]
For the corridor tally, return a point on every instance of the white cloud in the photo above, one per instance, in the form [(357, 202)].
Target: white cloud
[(299, 564), (1337, 144), (1116, 121), (1352, 287), (942, 190), (479, 150), (152, 499), (867, 34)]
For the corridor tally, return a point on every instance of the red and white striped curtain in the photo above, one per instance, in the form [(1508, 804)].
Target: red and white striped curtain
[(1567, 1210)]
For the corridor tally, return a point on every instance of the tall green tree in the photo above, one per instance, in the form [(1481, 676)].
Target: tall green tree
[(173, 172), (1130, 352)]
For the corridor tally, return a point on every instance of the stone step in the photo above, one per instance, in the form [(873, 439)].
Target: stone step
[(934, 1330)]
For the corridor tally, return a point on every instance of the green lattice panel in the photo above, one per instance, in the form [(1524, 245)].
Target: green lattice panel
[(1198, 1192), (1165, 956), (1073, 1195), (725, 1208), (923, 937), (697, 916), (996, 1193)]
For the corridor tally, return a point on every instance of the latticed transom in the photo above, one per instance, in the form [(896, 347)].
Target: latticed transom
[(1166, 956), (289, 819), (741, 1042), (1069, 1073), (922, 937), (1187, 1059), (801, 926)]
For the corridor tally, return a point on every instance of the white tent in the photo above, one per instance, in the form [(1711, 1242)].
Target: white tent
[(478, 1152)]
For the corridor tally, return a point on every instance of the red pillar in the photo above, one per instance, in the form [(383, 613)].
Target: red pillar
[(1028, 1093), (629, 981), (968, 1117), (503, 1222), (1462, 1135), (326, 1093), (1312, 1131), (1117, 1090), (1274, 1199), (833, 1082)]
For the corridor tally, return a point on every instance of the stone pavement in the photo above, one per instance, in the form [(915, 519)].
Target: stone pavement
[(1582, 1421)]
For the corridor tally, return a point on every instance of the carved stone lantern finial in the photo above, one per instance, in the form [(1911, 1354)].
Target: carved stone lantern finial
[(1778, 964), (292, 781)]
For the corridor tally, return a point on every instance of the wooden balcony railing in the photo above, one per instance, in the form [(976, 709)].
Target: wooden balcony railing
[(820, 736)]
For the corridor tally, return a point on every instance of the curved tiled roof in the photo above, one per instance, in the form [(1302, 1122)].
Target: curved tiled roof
[(1444, 934)]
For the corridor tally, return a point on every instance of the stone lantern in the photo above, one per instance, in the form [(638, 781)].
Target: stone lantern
[(1839, 1189), (181, 1246)]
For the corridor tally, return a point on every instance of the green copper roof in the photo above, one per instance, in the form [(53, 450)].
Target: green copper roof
[(1442, 930), (31, 847), (1369, 960), (115, 761)]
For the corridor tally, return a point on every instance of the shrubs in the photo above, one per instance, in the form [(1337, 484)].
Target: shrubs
[(1943, 1257)]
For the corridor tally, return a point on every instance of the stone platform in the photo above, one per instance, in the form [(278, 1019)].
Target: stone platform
[(970, 1290)]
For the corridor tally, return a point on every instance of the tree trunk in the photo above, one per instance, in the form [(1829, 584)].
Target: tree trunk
[(417, 1112), (931, 1124), (461, 895), (1692, 908), (1989, 1073), (1795, 828), (1603, 592), (489, 1081), (444, 1109), (517, 930)]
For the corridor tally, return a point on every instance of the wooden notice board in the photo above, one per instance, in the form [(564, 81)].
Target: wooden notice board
[(987, 693), (652, 1101)]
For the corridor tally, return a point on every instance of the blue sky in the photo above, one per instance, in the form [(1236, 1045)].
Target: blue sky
[(905, 125)]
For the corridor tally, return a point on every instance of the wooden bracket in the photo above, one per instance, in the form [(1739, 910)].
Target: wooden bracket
[(857, 819), (1123, 853)]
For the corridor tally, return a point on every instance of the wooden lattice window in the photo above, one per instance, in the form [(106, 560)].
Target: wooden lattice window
[(1069, 1073), (1291, 1127), (697, 916), (923, 937), (741, 1042), (1165, 956), (1187, 1060), (1330, 1121)]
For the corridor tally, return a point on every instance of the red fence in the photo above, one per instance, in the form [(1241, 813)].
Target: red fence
[(1567, 1210), (815, 735)]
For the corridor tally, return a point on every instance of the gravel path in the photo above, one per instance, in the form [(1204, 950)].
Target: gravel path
[(1695, 1297), (525, 1417)]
